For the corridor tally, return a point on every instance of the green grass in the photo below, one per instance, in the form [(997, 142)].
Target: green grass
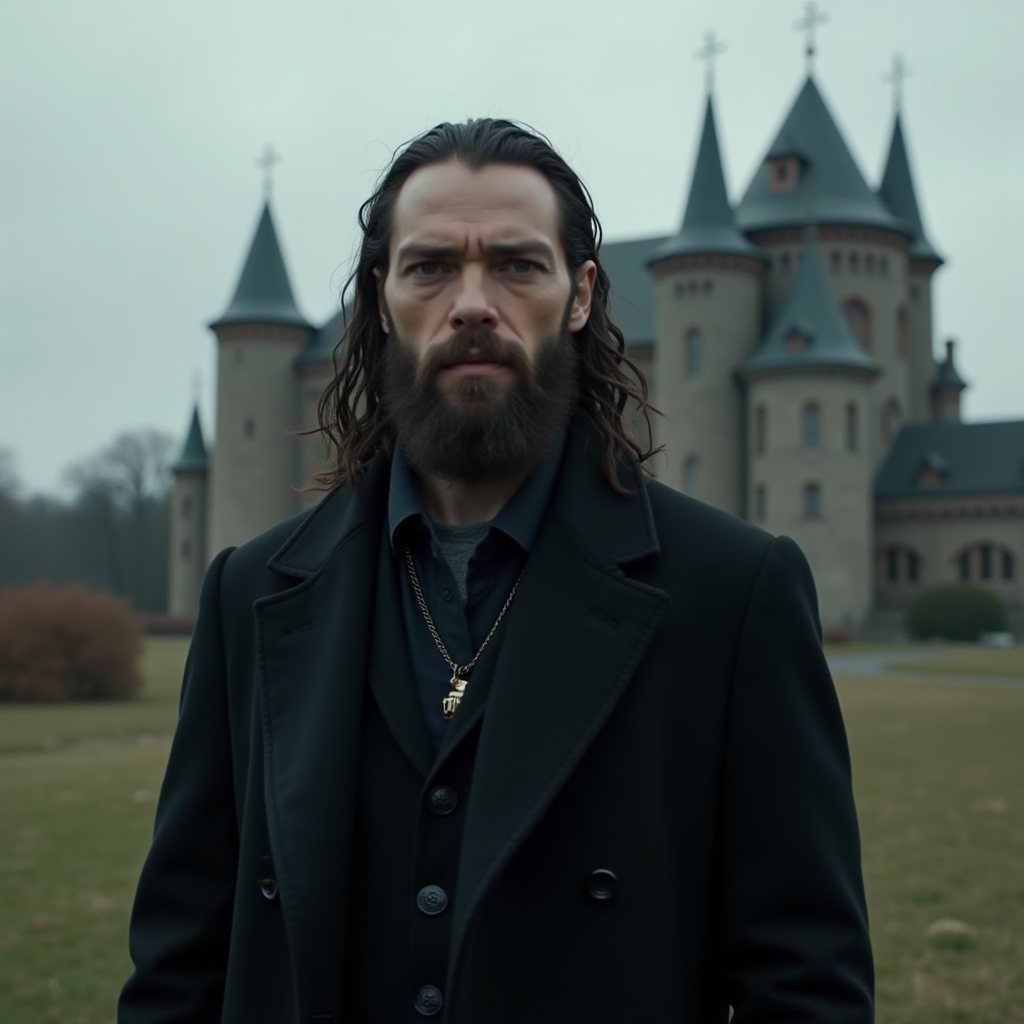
[(967, 661), (154, 712), (937, 775)]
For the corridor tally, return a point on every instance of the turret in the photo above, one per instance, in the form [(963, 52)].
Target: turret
[(898, 192), (807, 390), (946, 388), (707, 282), (255, 467), (188, 553)]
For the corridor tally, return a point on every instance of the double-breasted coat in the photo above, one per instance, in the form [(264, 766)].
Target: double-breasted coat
[(660, 719)]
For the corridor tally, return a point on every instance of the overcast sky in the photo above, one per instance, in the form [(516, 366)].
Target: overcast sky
[(130, 129)]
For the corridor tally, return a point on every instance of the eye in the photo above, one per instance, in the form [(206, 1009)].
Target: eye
[(428, 268), (521, 267)]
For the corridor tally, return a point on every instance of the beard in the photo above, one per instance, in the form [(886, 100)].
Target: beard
[(478, 429)]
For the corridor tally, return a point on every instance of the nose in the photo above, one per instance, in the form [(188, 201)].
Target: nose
[(473, 305)]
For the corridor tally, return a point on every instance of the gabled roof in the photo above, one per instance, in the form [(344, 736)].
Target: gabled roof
[(977, 458), (708, 225), (831, 188), (322, 342), (264, 293), (810, 312), (632, 290), (897, 191), (193, 457)]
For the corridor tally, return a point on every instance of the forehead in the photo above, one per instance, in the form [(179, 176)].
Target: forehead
[(449, 202)]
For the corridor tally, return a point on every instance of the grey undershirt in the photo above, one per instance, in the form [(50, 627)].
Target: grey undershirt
[(457, 544)]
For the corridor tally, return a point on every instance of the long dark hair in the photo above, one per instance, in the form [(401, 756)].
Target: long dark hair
[(353, 420)]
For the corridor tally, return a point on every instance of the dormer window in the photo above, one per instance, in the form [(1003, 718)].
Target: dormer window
[(796, 341), (784, 173)]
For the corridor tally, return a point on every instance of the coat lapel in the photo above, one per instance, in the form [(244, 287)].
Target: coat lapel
[(576, 632), (312, 662)]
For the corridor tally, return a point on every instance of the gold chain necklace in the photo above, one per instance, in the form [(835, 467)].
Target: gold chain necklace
[(460, 673)]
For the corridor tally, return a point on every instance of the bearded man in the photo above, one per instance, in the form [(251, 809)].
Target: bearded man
[(501, 730)]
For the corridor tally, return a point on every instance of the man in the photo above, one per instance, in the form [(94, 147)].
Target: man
[(501, 731)]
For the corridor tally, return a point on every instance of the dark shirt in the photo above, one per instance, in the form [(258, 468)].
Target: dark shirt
[(491, 574)]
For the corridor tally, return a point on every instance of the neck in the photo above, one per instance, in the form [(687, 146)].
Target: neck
[(459, 503)]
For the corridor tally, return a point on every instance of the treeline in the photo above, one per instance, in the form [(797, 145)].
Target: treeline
[(112, 534)]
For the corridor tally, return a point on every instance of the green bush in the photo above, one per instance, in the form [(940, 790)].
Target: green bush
[(955, 611), (67, 643)]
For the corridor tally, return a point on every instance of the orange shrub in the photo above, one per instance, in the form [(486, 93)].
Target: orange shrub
[(67, 643)]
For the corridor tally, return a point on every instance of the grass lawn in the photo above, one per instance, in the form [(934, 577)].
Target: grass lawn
[(967, 661), (938, 778)]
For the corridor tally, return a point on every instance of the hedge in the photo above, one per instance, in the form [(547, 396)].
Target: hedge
[(955, 611)]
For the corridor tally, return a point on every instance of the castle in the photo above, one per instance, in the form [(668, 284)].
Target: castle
[(788, 341)]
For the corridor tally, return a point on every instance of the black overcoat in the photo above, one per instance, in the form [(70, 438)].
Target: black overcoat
[(660, 708)]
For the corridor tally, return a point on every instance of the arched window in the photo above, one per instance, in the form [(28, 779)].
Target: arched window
[(761, 430), (854, 263), (902, 339), (812, 501), (836, 262), (693, 352), (891, 418), (249, 427), (691, 475), (1008, 566), (760, 503), (858, 318), (899, 566), (812, 427), (987, 563), (852, 426)]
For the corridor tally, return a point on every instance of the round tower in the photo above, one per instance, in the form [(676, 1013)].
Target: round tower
[(188, 554), (808, 389), (707, 301), (254, 476)]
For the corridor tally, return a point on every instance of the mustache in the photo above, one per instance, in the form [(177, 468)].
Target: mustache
[(485, 344)]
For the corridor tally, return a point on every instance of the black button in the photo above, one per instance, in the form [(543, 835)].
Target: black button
[(446, 593), (443, 799), (431, 899), (268, 881), (428, 1000), (602, 884)]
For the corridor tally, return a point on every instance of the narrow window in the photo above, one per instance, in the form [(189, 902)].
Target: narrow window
[(913, 566), (693, 353), (1008, 565), (708, 287), (812, 427), (812, 501), (851, 426), (891, 417), (883, 266), (902, 342), (249, 427), (680, 290), (854, 263), (869, 265), (858, 318), (965, 565), (694, 287), (186, 507), (893, 565), (761, 430), (691, 475), (761, 503), (915, 293), (986, 561), (836, 262), (784, 262)]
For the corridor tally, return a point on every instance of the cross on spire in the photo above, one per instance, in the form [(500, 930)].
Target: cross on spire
[(266, 163), (708, 52), (897, 76), (808, 23)]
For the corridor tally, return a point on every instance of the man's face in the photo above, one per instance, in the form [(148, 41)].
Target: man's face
[(480, 306)]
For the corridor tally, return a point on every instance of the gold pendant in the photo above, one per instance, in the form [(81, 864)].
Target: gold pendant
[(451, 702)]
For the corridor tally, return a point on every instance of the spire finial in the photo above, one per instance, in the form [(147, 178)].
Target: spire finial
[(897, 76), (708, 52), (808, 23), (266, 163)]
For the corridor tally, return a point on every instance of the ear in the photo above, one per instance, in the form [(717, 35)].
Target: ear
[(382, 311), (579, 314)]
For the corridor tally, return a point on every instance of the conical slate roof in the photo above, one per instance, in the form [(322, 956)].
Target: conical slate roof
[(323, 341), (811, 313), (946, 373), (831, 188), (264, 293), (193, 457), (897, 190), (708, 225)]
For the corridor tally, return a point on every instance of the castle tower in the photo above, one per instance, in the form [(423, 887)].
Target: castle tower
[(946, 388), (707, 287), (897, 189), (810, 477), (254, 467), (187, 553), (809, 179)]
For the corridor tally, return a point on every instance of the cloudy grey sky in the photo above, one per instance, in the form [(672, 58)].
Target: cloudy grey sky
[(129, 131)]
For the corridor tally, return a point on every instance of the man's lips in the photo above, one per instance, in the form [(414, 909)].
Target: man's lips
[(474, 368)]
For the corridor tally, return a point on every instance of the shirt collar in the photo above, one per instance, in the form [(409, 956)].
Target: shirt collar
[(519, 519)]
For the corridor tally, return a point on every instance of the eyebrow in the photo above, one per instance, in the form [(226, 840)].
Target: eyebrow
[(427, 251)]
